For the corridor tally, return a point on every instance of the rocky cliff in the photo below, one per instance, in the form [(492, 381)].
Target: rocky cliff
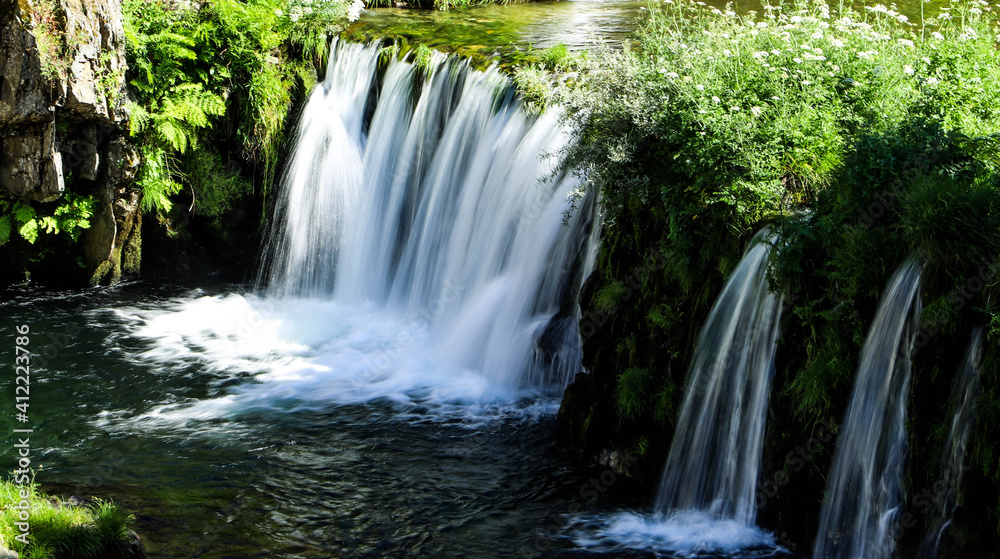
[(62, 119)]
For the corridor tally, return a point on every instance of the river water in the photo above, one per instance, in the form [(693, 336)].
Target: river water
[(381, 478), (188, 404)]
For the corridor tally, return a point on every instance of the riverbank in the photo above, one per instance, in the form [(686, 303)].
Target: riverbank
[(860, 137)]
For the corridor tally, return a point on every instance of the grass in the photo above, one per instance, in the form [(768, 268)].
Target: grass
[(57, 529), (718, 122), (860, 135)]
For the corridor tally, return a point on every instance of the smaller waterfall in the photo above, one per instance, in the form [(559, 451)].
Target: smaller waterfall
[(863, 493), (963, 421), (706, 503), (715, 456)]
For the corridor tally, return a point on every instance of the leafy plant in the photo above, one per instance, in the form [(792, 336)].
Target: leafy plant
[(225, 63), (70, 215)]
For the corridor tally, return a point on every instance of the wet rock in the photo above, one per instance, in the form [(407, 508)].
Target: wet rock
[(134, 549), (63, 123)]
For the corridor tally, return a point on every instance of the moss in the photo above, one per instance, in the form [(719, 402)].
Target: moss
[(631, 393), (106, 273)]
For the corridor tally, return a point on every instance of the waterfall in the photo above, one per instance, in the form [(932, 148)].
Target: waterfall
[(430, 193), (715, 457), (863, 494), (963, 409)]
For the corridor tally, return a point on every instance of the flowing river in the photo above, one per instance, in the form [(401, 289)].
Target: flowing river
[(403, 406)]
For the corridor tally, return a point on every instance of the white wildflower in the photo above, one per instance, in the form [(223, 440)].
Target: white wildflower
[(906, 43), (797, 60), (734, 109), (727, 52), (817, 35), (796, 19), (806, 82), (755, 110), (700, 87), (931, 81), (838, 43), (716, 100), (908, 70), (354, 11)]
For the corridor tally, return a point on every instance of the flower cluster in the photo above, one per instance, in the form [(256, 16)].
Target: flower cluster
[(783, 84), (300, 10)]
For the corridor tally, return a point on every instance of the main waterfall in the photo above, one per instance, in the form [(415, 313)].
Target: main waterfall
[(430, 192), (863, 492), (425, 247)]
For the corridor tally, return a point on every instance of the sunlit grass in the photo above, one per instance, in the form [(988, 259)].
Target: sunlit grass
[(58, 529)]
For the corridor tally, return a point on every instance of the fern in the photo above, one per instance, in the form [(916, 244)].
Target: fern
[(4, 229), (217, 62), (71, 215)]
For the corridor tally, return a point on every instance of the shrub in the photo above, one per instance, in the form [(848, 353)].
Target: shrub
[(231, 64)]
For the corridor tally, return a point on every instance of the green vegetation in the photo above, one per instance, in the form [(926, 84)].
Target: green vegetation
[(215, 85), (860, 135), (60, 530), (70, 215), (49, 37)]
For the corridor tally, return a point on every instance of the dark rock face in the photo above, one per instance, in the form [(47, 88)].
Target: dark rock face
[(62, 90)]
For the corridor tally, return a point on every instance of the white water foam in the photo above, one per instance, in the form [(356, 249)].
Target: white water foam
[(680, 534), (297, 354)]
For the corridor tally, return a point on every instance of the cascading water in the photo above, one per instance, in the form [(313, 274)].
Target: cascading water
[(715, 456), (706, 501), (424, 246), (446, 201), (863, 494), (963, 419)]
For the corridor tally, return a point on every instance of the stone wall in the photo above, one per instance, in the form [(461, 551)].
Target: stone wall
[(62, 121)]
